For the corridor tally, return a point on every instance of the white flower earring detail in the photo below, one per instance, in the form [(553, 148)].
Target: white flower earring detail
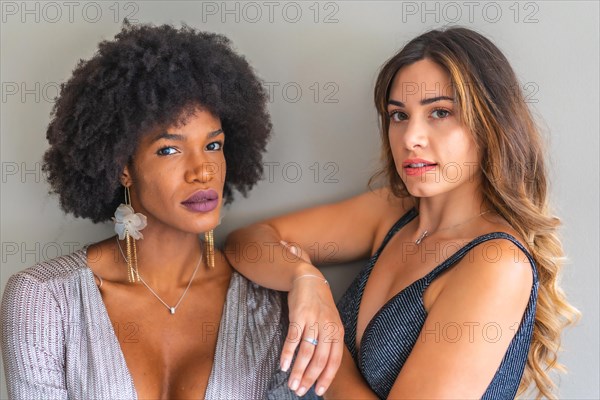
[(128, 225)]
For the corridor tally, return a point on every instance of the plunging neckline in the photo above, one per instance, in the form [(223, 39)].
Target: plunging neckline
[(115, 340), (373, 260)]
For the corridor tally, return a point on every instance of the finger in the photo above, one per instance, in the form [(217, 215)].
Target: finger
[(330, 335), (290, 247), (305, 354), (333, 364), (298, 252), (317, 364), (295, 250), (292, 341)]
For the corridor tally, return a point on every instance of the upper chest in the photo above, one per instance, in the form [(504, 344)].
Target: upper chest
[(167, 355), (403, 268)]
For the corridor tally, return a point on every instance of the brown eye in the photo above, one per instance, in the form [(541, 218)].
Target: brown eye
[(166, 151), (397, 116), (441, 113), (214, 146)]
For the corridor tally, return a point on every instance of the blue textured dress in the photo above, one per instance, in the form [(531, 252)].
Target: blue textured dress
[(390, 336)]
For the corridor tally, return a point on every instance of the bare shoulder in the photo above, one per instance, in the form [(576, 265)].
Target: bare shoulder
[(103, 257), (496, 267), (503, 258), (382, 204)]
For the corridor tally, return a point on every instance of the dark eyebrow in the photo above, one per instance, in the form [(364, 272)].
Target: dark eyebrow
[(215, 133), (181, 138), (169, 136), (423, 102)]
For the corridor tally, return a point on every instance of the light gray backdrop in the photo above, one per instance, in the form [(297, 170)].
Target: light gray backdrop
[(319, 61)]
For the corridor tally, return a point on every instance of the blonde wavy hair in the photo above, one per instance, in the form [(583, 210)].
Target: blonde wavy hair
[(492, 106)]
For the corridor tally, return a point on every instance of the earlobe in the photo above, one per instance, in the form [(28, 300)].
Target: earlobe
[(126, 177)]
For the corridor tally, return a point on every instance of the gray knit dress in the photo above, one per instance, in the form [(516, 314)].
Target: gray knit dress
[(58, 342)]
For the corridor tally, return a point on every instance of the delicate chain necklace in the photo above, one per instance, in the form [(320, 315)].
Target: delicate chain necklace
[(174, 308), (427, 233)]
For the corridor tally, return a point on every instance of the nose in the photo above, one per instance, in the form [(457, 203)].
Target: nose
[(201, 170), (415, 134)]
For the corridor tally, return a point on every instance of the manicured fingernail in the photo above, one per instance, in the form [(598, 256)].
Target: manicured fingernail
[(286, 365), (295, 383), (320, 391), (294, 250), (301, 391)]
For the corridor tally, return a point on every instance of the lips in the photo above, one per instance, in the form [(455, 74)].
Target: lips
[(417, 166), (202, 201)]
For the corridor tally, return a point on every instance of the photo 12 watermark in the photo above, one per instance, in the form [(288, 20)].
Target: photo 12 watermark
[(36, 252), (293, 92), (325, 92), (254, 252), (21, 172), (453, 12), (252, 12), (52, 12), (471, 331), (287, 172), (528, 91), (29, 92), (295, 171), (437, 251)]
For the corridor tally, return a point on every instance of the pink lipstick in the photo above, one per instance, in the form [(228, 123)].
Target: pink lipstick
[(417, 166), (202, 201)]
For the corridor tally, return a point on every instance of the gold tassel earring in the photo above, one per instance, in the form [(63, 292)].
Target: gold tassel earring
[(128, 225), (132, 267), (209, 242)]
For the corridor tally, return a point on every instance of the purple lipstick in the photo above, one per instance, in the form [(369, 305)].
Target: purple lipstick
[(202, 201)]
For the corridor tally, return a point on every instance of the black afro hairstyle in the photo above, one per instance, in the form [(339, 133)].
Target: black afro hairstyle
[(150, 77)]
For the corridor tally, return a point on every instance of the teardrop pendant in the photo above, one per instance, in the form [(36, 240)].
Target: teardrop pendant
[(172, 310), (423, 236)]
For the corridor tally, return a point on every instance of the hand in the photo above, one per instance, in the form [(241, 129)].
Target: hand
[(313, 316)]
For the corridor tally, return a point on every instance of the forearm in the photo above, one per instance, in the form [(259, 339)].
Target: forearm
[(349, 382), (257, 253)]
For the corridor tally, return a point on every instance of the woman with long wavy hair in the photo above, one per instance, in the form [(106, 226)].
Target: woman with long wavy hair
[(460, 297)]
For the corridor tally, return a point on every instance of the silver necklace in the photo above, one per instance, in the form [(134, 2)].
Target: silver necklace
[(427, 233), (174, 308)]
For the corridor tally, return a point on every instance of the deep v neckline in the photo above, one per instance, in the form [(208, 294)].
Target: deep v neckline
[(403, 221), (390, 335), (399, 224), (113, 335)]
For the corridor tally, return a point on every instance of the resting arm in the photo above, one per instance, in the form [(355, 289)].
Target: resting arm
[(330, 233)]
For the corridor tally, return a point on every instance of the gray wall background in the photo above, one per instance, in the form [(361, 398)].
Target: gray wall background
[(319, 60)]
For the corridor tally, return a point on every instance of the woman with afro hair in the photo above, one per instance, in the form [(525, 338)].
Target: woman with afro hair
[(153, 132)]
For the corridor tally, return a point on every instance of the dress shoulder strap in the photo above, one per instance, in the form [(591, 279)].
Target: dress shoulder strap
[(405, 219), (458, 255)]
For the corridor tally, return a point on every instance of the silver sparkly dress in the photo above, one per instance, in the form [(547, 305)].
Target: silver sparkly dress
[(58, 342)]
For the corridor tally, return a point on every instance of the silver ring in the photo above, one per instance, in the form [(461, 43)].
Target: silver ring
[(314, 342)]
